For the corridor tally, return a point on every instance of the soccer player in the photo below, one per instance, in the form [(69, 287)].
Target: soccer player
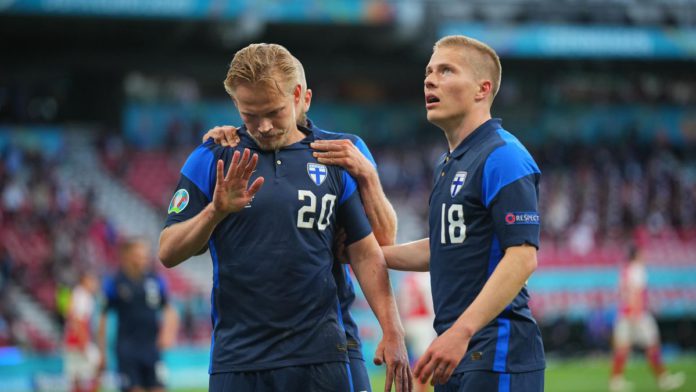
[(350, 152), (277, 319), (636, 326), (139, 298), (484, 233), (81, 353)]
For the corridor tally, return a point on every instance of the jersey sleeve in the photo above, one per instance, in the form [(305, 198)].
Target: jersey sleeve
[(510, 191), (196, 185), (360, 144), (350, 212)]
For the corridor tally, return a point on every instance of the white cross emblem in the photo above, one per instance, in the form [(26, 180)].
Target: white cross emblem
[(457, 183)]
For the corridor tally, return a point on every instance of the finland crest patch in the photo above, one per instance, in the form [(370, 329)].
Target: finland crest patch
[(317, 172), (179, 201), (457, 183)]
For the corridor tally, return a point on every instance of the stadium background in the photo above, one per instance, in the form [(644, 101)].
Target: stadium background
[(101, 101)]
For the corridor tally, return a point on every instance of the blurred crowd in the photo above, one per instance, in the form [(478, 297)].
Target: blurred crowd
[(624, 183)]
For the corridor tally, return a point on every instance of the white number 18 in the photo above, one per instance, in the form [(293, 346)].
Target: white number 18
[(454, 223)]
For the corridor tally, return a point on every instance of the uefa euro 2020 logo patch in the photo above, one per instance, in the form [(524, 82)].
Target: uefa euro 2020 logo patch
[(317, 172), (179, 201), (457, 183)]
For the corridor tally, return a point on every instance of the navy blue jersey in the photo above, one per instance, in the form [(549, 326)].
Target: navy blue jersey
[(274, 299), (485, 200), (137, 304), (346, 291)]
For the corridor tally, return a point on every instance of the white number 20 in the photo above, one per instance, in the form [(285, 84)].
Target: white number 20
[(453, 224), (305, 215)]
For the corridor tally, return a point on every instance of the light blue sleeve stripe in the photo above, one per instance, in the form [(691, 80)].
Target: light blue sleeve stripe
[(200, 168), (505, 165), (501, 347), (349, 187), (360, 144)]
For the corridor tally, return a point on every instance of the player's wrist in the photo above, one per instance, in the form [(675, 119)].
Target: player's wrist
[(215, 214)]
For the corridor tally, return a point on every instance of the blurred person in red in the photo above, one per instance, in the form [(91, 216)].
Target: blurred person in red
[(635, 326), (81, 355), (415, 302), (147, 322)]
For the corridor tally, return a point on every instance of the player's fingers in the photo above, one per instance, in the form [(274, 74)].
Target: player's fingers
[(230, 134), (255, 186), (448, 372), (409, 377), (420, 364), (379, 356), (390, 378), (322, 145), (399, 378), (427, 371), (233, 165), (220, 167), (243, 162), (250, 167)]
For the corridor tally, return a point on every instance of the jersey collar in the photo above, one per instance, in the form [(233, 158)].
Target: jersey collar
[(483, 129), (246, 141)]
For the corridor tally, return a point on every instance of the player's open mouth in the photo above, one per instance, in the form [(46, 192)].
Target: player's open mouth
[(431, 100)]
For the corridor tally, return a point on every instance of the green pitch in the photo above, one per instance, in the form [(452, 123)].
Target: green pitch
[(592, 375), (585, 375)]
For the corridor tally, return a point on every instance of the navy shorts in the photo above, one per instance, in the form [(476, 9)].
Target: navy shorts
[(494, 382), (136, 373), (323, 377), (358, 373)]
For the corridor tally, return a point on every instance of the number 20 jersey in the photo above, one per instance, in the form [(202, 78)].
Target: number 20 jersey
[(274, 300), (485, 200)]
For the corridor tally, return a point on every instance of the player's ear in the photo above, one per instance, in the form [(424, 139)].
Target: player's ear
[(308, 99), (297, 93), (485, 89)]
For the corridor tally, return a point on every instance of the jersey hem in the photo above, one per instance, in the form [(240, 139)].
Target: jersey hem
[(280, 364), (515, 369)]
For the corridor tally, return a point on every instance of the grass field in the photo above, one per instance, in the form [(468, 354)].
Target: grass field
[(592, 375), (587, 375)]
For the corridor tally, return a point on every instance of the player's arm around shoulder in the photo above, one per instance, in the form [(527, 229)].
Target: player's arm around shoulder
[(411, 256)]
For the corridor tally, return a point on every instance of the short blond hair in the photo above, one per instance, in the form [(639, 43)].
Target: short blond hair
[(267, 64), (487, 65)]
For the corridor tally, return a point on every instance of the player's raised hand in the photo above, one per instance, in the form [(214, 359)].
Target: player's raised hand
[(441, 358), (232, 192), (224, 135), (343, 153), (392, 351)]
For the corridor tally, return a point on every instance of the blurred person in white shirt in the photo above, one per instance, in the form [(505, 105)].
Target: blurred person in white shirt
[(81, 355), (636, 326)]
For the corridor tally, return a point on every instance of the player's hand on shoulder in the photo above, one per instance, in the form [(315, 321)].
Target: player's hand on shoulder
[(232, 191), (224, 135), (345, 154), (392, 351)]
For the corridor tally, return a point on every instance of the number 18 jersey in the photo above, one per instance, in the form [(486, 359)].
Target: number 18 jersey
[(485, 200), (274, 300)]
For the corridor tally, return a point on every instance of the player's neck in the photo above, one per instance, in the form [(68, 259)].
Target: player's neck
[(294, 137), (461, 127)]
